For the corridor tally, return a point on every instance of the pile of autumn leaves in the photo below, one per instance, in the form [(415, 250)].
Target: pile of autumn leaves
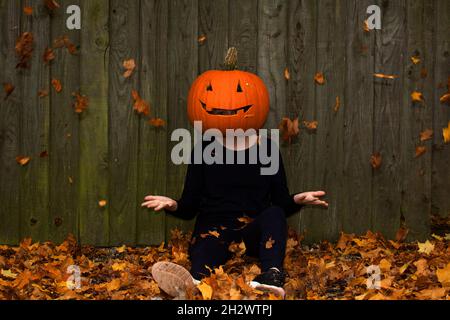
[(325, 271)]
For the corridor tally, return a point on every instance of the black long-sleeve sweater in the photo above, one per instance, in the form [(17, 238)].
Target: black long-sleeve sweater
[(233, 189)]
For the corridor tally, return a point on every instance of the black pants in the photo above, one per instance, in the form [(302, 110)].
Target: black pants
[(209, 251)]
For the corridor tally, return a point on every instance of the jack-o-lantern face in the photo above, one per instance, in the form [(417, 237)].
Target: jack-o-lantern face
[(228, 100)]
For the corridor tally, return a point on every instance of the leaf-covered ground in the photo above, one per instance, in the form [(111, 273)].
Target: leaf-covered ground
[(325, 271)]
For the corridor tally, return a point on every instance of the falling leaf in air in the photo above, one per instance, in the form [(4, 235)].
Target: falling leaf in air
[(49, 55), (446, 133), (57, 85), (401, 234), (385, 76), (201, 39), (287, 74), (426, 135), (81, 102), (319, 78), (157, 122), (64, 41), (423, 73), (102, 203), (42, 93), (420, 150), (9, 89), (416, 96), (311, 125), (140, 106), (376, 160), (426, 247), (206, 290), (129, 66), (415, 59), (23, 161), (24, 50), (28, 11), (270, 243), (43, 154), (289, 129), (210, 233), (337, 104), (366, 26), (445, 98), (52, 4)]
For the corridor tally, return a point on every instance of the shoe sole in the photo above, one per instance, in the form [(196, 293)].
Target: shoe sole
[(268, 288), (172, 278)]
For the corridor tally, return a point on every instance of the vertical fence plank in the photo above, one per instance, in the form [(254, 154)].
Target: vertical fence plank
[(64, 131), (388, 105), (94, 219), (358, 123), (9, 125), (35, 129), (243, 32), (441, 154), (328, 143), (182, 71), (416, 118), (124, 122), (272, 43), (153, 141), (213, 23), (300, 98)]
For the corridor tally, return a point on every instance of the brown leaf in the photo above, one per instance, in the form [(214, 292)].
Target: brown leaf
[(57, 85), (201, 39), (157, 122), (376, 160), (270, 243), (337, 105), (24, 50), (42, 93), (52, 4), (81, 103), (417, 96), (140, 106), (43, 154), (319, 78), (129, 66), (426, 135), (9, 89), (27, 10), (23, 161), (423, 73), (287, 75), (401, 235), (420, 150), (445, 98), (289, 129), (366, 26), (49, 55)]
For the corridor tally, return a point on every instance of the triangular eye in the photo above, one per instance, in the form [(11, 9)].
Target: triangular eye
[(239, 88), (209, 88)]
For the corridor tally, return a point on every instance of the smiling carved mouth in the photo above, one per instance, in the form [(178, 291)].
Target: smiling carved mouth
[(225, 112)]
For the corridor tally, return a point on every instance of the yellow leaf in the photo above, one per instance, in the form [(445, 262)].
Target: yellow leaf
[(415, 59), (206, 290), (113, 285), (287, 75), (416, 96), (443, 275), (119, 266), (426, 247), (403, 268), (270, 243), (9, 274), (439, 238), (102, 203), (446, 133), (121, 249), (434, 293), (385, 265)]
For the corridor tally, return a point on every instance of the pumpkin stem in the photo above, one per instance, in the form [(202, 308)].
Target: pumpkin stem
[(231, 59)]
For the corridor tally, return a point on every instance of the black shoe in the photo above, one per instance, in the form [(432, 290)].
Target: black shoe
[(272, 280)]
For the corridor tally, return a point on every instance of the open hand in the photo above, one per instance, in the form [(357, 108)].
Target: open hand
[(158, 203), (311, 198)]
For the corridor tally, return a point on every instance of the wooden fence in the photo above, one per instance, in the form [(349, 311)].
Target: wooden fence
[(111, 154)]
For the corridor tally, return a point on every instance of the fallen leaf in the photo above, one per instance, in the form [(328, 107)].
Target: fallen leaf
[(426, 135), (8, 274), (376, 160), (129, 66), (443, 275), (119, 266), (420, 150), (417, 96), (433, 294), (57, 85), (319, 78), (426, 247), (113, 285), (205, 290)]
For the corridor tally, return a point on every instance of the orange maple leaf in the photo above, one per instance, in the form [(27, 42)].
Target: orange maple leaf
[(416, 96), (57, 85), (376, 160), (319, 78), (140, 105), (311, 125), (129, 66), (81, 103), (49, 55), (420, 150), (426, 135)]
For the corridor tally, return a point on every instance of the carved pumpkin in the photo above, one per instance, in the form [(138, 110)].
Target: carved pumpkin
[(229, 99)]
